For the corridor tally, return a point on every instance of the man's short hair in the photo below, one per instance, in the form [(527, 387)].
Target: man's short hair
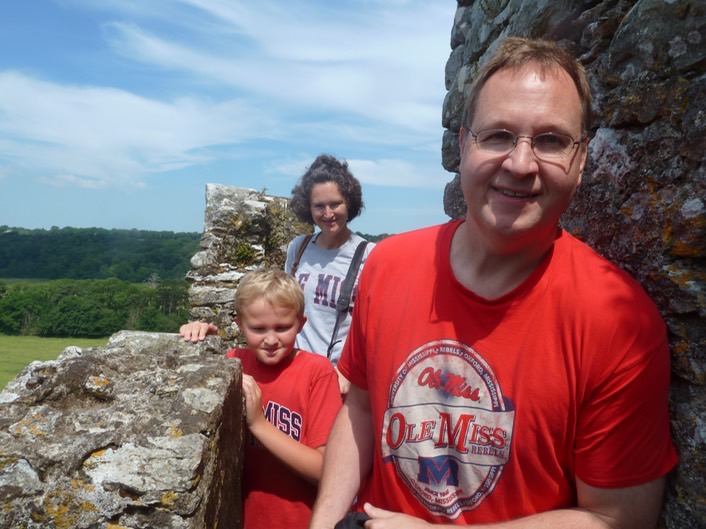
[(516, 52), (274, 286)]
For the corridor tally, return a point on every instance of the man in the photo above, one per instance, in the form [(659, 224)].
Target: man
[(506, 374)]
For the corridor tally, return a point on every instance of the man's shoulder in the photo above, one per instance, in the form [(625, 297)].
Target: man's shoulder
[(586, 257), (586, 270), (412, 239)]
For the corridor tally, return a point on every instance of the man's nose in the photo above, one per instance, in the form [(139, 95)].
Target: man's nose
[(522, 160)]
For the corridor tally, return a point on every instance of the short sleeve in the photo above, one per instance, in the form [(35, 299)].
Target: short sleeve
[(324, 402), (623, 434)]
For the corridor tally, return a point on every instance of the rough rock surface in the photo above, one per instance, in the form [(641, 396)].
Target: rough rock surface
[(642, 202), (243, 229), (143, 434)]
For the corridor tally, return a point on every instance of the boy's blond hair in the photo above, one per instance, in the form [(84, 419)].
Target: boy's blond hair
[(275, 287)]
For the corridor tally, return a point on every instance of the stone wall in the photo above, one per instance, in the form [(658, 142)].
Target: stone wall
[(145, 433), (243, 229), (642, 200)]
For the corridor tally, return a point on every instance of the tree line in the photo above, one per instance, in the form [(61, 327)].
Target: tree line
[(95, 253), (93, 281), (91, 308)]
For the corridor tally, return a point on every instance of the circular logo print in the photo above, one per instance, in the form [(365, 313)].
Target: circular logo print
[(447, 428)]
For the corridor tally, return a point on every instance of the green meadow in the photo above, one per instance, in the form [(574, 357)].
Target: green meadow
[(16, 352)]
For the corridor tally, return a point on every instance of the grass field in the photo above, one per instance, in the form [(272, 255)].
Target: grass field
[(18, 351)]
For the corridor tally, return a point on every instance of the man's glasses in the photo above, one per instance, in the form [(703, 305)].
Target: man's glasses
[(548, 145)]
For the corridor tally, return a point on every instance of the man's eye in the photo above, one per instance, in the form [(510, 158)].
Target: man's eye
[(553, 141), (496, 136)]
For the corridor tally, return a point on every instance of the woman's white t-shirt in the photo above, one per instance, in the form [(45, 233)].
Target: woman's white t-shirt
[(321, 273)]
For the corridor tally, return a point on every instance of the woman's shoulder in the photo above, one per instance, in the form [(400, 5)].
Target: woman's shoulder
[(298, 240), (356, 240)]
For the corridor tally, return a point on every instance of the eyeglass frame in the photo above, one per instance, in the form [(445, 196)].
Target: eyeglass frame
[(532, 142)]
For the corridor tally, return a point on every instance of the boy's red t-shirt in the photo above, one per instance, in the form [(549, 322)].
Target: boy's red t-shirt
[(301, 397)]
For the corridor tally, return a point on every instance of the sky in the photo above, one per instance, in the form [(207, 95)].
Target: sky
[(117, 113)]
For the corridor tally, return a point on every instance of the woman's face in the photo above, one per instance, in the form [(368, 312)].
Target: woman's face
[(328, 208)]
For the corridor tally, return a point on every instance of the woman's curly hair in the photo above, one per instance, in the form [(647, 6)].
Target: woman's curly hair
[(327, 168)]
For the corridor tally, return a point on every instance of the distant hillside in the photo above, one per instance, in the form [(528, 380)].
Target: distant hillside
[(95, 253), (373, 238)]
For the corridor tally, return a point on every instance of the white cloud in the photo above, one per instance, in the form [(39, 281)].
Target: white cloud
[(397, 173), (69, 180), (372, 63), (104, 133), (344, 76)]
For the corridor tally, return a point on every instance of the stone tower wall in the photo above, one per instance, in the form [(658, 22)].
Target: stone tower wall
[(642, 202)]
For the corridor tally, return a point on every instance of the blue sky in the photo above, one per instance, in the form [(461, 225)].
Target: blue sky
[(116, 113)]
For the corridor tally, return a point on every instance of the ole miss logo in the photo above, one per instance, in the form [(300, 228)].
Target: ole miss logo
[(447, 428)]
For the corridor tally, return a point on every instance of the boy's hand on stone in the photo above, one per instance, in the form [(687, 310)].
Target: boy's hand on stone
[(253, 400), (196, 331)]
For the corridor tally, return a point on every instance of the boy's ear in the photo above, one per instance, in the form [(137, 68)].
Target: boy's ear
[(302, 321), (237, 322)]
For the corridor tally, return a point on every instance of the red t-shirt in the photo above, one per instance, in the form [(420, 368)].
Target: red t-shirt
[(301, 397), (487, 410)]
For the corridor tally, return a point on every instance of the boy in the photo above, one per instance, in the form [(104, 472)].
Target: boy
[(291, 400)]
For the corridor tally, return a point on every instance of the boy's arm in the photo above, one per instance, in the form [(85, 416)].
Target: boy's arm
[(303, 460)]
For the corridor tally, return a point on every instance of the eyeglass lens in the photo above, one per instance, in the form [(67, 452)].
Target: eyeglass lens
[(547, 144)]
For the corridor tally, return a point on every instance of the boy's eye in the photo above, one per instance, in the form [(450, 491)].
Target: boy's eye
[(283, 329)]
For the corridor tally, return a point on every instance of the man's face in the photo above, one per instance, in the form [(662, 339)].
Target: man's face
[(519, 193)]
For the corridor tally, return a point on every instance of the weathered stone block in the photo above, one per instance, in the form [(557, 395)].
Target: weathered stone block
[(145, 433)]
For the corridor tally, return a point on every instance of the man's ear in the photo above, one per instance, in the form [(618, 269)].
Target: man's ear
[(461, 138), (582, 160)]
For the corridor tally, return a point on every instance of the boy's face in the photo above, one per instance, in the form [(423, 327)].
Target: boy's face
[(269, 330)]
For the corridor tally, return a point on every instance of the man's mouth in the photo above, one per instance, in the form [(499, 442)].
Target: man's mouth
[(516, 194)]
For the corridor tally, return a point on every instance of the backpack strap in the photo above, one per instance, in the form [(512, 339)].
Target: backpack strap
[(300, 251), (344, 298)]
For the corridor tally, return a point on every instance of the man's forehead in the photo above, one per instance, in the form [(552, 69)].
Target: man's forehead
[(542, 71)]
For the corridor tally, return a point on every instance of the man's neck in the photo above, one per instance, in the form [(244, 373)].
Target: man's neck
[(492, 268)]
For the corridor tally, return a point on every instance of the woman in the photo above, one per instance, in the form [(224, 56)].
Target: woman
[(329, 196)]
